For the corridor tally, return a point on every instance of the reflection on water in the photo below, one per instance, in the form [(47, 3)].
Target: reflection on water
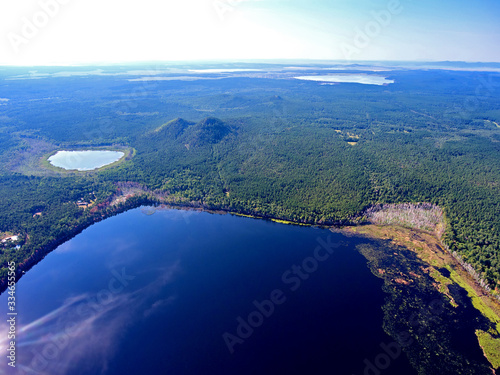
[(154, 293), (365, 79), (84, 160)]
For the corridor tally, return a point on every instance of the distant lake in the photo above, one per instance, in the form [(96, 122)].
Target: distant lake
[(365, 79), (165, 292), (84, 160)]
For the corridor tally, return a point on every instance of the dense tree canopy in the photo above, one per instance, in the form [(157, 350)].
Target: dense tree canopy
[(289, 149)]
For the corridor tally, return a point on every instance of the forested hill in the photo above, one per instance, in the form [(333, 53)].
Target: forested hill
[(282, 148), (207, 131), (172, 129)]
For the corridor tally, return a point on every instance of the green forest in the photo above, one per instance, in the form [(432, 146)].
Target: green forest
[(275, 148)]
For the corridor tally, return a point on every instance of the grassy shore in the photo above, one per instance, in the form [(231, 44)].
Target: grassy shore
[(429, 249), (490, 346)]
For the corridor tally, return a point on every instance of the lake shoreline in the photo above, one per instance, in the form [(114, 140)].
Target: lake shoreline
[(428, 248), (120, 203), (128, 153), (434, 254), (424, 244)]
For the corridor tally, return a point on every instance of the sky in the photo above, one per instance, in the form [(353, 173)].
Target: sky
[(66, 32)]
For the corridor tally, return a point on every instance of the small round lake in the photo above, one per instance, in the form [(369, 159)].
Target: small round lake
[(84, 160)]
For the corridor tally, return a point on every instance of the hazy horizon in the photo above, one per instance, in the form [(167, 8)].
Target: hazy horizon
[(66, 32), (382, 63)]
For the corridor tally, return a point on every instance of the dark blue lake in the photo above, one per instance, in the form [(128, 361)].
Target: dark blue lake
[(185, 292)]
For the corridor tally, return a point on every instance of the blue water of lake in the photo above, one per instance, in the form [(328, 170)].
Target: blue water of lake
[(188, 292)]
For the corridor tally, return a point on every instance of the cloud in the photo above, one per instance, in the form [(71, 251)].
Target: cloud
[(85, 328), (158, 305)]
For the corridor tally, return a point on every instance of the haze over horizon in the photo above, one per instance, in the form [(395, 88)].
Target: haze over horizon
[(66, 32)]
